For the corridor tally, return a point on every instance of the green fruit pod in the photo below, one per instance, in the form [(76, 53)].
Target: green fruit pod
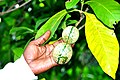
[(70, 34), (62, 53)]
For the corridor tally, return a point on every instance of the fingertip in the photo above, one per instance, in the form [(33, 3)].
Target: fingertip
[(43, 38), (48, 32)]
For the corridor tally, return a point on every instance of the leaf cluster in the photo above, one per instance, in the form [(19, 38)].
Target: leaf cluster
[(96, 53)]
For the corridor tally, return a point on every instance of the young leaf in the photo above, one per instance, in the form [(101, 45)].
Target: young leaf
[(63, 23), (52, 24), (103, 44), (70, 4), (107, 11)]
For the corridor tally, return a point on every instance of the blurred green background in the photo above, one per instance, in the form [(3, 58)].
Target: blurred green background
[(19, 27)]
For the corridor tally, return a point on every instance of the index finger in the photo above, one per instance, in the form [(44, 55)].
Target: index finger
[(43, 38)]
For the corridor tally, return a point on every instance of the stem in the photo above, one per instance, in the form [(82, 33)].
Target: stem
[(81, 18), (11, 10), (82, 3), (81, 27), (86, 9), (76, 10)]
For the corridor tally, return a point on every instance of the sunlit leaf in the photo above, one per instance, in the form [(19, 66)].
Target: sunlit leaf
[(107, 11), (39, 22), (103, 44), (42, 79), (70, 4), (52, 24)]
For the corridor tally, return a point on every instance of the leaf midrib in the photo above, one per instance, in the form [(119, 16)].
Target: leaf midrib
[(102, 43)]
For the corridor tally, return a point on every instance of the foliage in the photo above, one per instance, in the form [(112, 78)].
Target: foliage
[(30, 21), (52, 24), (111, 11), (102, 43), (70, 4)]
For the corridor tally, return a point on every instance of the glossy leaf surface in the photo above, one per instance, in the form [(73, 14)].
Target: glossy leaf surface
[(108, 11), (52, 24), (70, 4)]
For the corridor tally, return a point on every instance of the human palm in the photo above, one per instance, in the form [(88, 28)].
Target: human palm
[(39, 57)]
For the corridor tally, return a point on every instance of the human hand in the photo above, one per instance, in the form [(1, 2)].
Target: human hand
[(39, 57)]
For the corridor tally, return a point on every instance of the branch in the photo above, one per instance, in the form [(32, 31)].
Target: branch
[(81, 18), (11, 10), (81, 27), (82, 3), (86, 9)]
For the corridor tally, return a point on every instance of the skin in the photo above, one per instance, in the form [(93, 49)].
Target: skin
[(39, 57)]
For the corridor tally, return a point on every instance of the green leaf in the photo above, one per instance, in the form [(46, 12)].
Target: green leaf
[(70, 22), (20, 32), (52, 24), (2, 3), (10, 21), (107, 11), (50, 2), (103, 44), (63, 23), (70, 4), (69, 71), (17, 52), (39, 22), (17, 29)]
